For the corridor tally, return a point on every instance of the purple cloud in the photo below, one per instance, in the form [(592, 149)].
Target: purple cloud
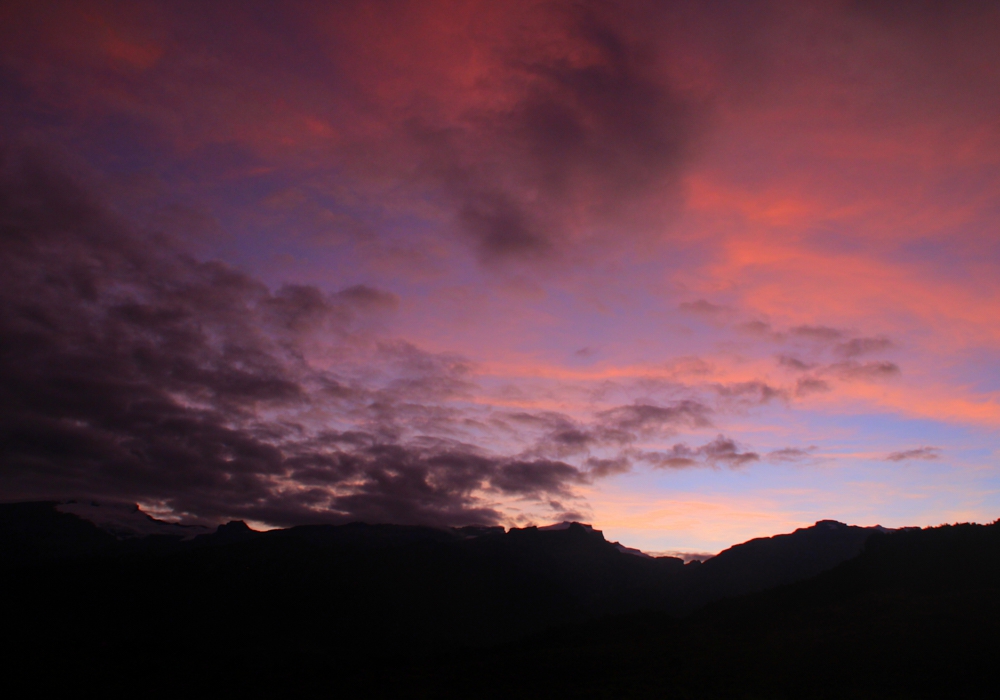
[(915, 453), (131, 371)]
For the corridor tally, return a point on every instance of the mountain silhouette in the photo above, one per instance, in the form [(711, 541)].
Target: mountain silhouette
[(444, 610), (767, 562), (915, 615), (570, 566)]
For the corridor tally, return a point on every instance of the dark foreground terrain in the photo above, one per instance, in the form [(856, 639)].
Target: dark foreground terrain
[(357, 610)]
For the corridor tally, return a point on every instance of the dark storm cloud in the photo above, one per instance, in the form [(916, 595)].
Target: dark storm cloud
[(130, 370), (534, 477), (720, 451), (405, 484), (916, 453), (584, 137), (528, 125)]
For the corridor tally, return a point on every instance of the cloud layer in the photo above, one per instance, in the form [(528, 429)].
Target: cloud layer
[(459, 261), (132, 370)]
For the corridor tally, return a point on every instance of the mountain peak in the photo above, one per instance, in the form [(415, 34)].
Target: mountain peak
[(830, 525), (233, 531), (566, 525), (126, 520)]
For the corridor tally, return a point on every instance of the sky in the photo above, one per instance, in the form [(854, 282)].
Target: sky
[(691, 272)]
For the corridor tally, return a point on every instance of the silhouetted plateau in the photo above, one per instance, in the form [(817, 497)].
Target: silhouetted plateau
[(120, 601)]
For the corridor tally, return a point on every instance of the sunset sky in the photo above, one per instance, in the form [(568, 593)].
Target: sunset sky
[(693, 272)]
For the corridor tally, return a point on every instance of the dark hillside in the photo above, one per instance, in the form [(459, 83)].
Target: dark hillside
[(394, 611), (917, 615)]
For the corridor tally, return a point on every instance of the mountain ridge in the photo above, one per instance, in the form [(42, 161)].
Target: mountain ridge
[(530, 612), (572, 561), (127, 521)]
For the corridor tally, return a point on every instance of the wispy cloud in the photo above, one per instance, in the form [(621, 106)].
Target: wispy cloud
[(722, 451), (703, 308), (791, 454), (915, 453)]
